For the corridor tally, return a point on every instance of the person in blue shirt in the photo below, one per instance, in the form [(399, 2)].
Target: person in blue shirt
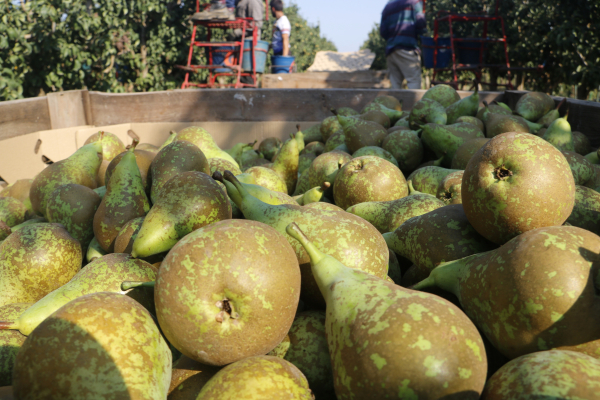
[(402, 22)]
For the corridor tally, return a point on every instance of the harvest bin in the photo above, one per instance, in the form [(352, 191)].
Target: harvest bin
[(56, 125)]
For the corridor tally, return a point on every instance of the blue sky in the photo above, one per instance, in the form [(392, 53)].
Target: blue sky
[(345, 22)]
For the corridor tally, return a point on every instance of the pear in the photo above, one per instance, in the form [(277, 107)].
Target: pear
[(261, 193), (170, 139), (440, 235), (177, 157), (312, 134), (444, 140), (238, 148), (111, 147), (74, 206), (534, 105), (377, 152), (517, 182), (581, 144), (402, 123), (394, 269), (551, 115), (373, 112), (94, 251), (302, 185), (443, 94), (249, 158), (322, 205), (256, 162), (11, 341), (406, 148), (464, 107), (368, 178), (127, 235), (286, 164), (147, 147), (325, 168), (360, 133), (428, 179), (316, 148), (559, 134), (427, 111), (101, 275), (204, 141), (125, 200), (228, 291), (347, 111), (512, 282), (36, 260), (188, 378), (337, 233), (586, 212), (388, 215), (266, 177), (592, 157), (304, 162), (388, 101), (100, 191), (338, 138), (221, 165), (20, 191), (5, 231), (465, 151), (497, 124), (188, 202), (329, 126), (449, 190), (366, 320), (12, 211), (311, 196), (81, 168), (264, 377), (271, 145), (488, 109), (472, 120), (143, 160), (101, 345), (546, 375), (581, 168)]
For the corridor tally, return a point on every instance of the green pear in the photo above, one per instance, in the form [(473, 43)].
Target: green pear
[(427, 111), (271, 145), (74, 206), (329, 126), (221, 165), (80, 168), (100, 191), (443, 94), (367, 317), (582, 170), (36, 260), (449, 190), (170, 139), (125, 200), (388, 215), (402, 123), (101, 275), (551, 115), (335, 232), (444, 140), (377, 152), (488, 109), (359, 133), (94, 251), (428, 179), (188, 202), (464, 107), (338, 138), (434, 237), (302, 185), (513, 280), (497, 124), (313, 134), (299, 137), (465, 151), (264, 377), (311, 196), (392, 114), (143, 160), (11, 342), (147, 147), (248, 158), (388, 101), (12, 211), (20, 191), (323, 205), (304, 162), (546, 375), (345, 111), (111, 144), (238, 148), (325, 168), (586, 211), (534, 105), (472, 120), (173, 159), (375, 116), (266, 177), (204, 141), (286, 164), (261, 193), (101, 345), (559, 134), (406, 147)]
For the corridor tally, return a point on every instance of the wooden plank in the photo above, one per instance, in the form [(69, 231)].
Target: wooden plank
[(327, 80), (19, 117), (66, 109)]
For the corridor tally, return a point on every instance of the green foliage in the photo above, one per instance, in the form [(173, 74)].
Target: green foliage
[(562, 35), (109, 45), (376, 44)]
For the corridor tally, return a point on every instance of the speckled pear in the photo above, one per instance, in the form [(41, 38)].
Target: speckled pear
[(497, 124), (204, 141), (10, 341), (271, 145), (443, 94), (143, 160), (534, 105), (12, 212), (261, 193), (551, 115), (286, 164), (542, 285), (360, 133), (586, 212), (386, 341), (444, 140), (582, 170), (392, 114), (559, 134), (377, 152), (311, 196), (187, 202), (450, 189), (388, 101), (188, 378), (116, 351), (329, 126), (464, 107), (466, 150), (325, 168), (406, 147), (20, 191), (427, 111), (428, 179), (265, 177)]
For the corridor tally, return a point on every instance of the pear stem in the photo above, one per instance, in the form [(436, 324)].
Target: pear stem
[(333, 111), (233, 180), (424, 284), (6, 325), (485, 104), (566, 115), (298, 127), (131, 285), (561, 103), (294, 231), (325, 185)]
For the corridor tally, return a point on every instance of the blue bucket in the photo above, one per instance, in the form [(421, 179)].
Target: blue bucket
[(221, 54), (260, 54), (281, 64), (468, 51), (443, 55)]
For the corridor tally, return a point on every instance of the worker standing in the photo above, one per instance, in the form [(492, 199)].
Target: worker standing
[(254, 9), (402, 22), (281, 30), (218, 9)]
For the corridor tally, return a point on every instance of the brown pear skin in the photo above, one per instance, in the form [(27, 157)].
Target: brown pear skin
[(359, 133), (406, 147), (368, 178), (355, 241), (386, 216), (20, 191), (286, 164), (74, 206), (449, 190), (428, 179), (581, 168), (12, 211), (580, 142), (212, 273), (325, 167), (517, 182), (386, 341), (188, 378), (465, 152), (127, 234), (430, 239), (115, 351), (10, 341), (36, 260), (179, 156), (143, 160), (586, 212), (125, 199), (546, 375), (259, 377), (536, 292), (497, 124)]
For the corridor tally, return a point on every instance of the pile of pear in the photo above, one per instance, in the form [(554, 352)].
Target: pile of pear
[(446, 252)]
